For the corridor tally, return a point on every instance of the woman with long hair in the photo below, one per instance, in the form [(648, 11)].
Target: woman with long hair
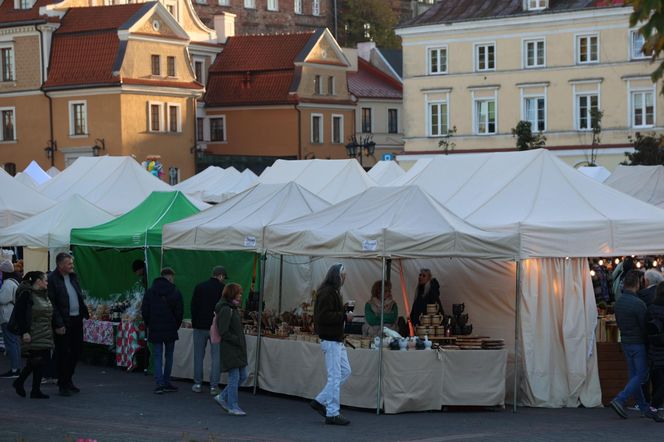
[(233, 347), (372, 310), (34, 314)]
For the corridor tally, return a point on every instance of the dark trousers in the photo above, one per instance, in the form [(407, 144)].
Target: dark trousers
[(34, 363), (68, 349), (657, 375)]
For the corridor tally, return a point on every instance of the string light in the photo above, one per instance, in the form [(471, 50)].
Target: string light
[(617, 261), (601, 262), (592, 273), (638, 264), (654, 263)]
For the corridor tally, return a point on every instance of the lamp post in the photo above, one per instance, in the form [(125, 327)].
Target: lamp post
[(50, 149), (100, 144), (358, 148)]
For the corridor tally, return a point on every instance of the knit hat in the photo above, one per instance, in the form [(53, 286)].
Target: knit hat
[(6, 266)]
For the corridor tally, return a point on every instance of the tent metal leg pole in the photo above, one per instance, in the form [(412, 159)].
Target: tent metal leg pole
[(260, 323), (517, 311), (281, 280), (380, 350)]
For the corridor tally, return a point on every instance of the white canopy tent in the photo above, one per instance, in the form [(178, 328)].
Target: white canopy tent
[(25, 179), (384, 172), (115, 184), (332, 180), (645, 183), (37, 174), (50, 230), (18, 201), (238, 223), (598, 173), (53, 171), (234, 184), (197, 184)]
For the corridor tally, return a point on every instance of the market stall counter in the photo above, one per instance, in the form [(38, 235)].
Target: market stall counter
[(414, 380)]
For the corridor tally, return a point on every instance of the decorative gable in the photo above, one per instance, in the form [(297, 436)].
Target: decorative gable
[(156, 25), (326, 51)]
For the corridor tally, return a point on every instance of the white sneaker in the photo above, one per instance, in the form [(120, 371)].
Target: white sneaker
[(214, 391), (635, 407), (222, 403), (196, 388), (237, 412)]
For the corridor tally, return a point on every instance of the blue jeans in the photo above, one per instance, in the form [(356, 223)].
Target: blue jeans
[(201, 338), (637, 365), (338, 371), (236, 376), (13, 347), (162, 371)]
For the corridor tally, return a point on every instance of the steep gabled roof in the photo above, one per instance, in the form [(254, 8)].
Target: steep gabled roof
[(452, 11), (9, 15), (370, 82)]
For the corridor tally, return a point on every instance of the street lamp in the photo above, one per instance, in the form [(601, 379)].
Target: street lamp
[(50, 149), (100, 144), (364, 146)]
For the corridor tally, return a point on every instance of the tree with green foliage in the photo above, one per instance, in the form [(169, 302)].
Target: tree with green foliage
[(369, 20), (650, 15), (525, 138), (648, 150)]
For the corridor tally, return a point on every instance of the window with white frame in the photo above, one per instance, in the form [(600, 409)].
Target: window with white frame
[(438, 118), (297, 6), (8, 132), (587, 48), (533, 53), (586, 103), (485, 116), (174, 121), (643, 108), (23, 4), (534, 111), (485, 57), (315, 7), (250, 4), (318, 86), (316, 128), (367, 124), (637, 40), (224, 2), (7, 60), (272, 5), (438, 60), (78, 118), (330, 86), (155, 117), (536, 5), (201, 2), (337, 129), (218, 129), (392, 121)]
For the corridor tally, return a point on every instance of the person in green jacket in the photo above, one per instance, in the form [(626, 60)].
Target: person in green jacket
[(233, 347), (34, 313), (371, 325)]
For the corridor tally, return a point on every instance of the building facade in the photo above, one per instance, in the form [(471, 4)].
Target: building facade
[(277, 96), (483, 69)]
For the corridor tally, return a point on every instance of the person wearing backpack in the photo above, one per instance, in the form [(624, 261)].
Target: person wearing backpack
[(655, 329), (7, 301)]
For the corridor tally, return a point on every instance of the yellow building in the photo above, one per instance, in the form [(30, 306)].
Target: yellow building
[(118, 80), (483, 68)]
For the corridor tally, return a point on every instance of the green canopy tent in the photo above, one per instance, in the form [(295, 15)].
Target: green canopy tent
[(104, 253)]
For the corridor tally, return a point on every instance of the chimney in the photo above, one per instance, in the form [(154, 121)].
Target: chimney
[(364, 49), (224, 25)]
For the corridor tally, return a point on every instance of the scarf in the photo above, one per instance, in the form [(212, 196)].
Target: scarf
[(375, 305)]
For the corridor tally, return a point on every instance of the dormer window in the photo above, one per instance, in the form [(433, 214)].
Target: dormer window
[(23, 4), (536, 5)]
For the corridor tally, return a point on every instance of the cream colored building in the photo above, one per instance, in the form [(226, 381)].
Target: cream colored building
[(483, 71)]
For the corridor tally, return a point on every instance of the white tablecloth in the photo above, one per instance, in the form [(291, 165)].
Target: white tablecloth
[(412, 380)]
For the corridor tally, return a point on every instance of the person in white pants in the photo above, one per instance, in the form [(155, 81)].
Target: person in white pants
[(330, 316)]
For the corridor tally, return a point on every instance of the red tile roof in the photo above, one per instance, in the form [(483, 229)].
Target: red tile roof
[(260, 52), (371, 82), (98, 18), (237, 89), (10, 15)]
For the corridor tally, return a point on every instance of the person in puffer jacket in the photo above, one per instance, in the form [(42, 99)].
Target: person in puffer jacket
[(656, 349)]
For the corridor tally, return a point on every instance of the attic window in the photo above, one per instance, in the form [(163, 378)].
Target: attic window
[(536, 5), (23, 4), (246, 80)]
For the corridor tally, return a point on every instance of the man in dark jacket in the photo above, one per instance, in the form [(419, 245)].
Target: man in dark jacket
[(206, 296), (427, 292), (69, 310), (162, 313), (651, 278), (631, 317), (329, 317)]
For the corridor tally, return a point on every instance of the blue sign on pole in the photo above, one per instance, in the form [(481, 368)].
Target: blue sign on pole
[(387, 157)]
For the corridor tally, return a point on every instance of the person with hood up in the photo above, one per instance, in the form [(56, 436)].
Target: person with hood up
[(426, 292), (162, 312), (7, 301)]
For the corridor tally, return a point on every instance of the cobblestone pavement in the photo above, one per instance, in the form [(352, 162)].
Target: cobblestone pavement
[(118, 406)]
